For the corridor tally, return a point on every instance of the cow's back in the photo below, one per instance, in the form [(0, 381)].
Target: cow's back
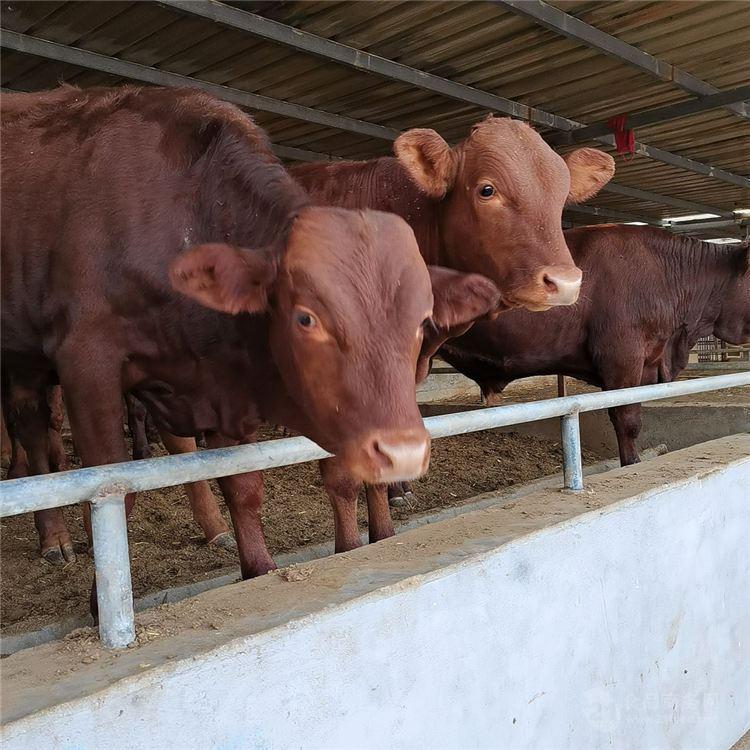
[(102, 188)]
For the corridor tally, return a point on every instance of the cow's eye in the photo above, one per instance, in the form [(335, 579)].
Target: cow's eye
[(486, 191), (306, 320)]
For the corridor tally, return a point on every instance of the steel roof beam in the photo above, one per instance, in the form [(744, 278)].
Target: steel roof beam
[(292, 153), (701, 225), (730, 228), (656, 115), (136, 71), (608, 213), (113, 66), (579, 31), (665, 200), (295, 154), (364, 61), (304, 41)]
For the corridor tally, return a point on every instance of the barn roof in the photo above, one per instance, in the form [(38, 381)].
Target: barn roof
[(340, 79)]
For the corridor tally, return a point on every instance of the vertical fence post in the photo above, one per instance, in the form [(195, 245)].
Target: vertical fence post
[(561, 387), (114, 592), (571, 445)]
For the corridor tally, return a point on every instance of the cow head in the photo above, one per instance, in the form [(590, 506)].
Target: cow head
[(348, 303), (733, 323), (502, 191)]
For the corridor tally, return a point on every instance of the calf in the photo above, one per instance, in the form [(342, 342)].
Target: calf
[(152, 243), (647, 297)]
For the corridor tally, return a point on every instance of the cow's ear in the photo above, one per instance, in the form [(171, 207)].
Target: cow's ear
[(460, 299), (225, 278), (428, 159), (590, 170)]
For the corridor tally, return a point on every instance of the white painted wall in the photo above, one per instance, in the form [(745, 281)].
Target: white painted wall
[(628, 628)]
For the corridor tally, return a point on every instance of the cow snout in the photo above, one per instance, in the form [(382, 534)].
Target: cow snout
[(561, 284), (394, 456)]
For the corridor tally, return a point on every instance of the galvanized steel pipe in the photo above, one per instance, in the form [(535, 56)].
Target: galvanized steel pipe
[(571, 446), (114, 592), (65, 488)]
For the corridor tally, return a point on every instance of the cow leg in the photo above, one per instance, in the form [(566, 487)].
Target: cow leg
[(19, 462), (625, 419), (379, 523), (400, 494), (137, 427), (491, 391), (203, 503), (244, 496), (93, 396), (6, 449), (39, 450), (55, 531), (342, 492), (58, 458)]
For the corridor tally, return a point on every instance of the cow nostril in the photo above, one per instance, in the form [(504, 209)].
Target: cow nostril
[(397, 455), (381, 454), (549, 284), (560, 285)]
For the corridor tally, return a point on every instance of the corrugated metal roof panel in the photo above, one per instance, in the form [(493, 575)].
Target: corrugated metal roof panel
[(475, 43)]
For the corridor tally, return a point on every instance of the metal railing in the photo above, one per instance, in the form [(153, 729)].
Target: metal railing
[(105, 487)]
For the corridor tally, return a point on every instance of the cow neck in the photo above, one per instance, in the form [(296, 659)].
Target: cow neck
[(380, 184), (246, 197), (419, 210)]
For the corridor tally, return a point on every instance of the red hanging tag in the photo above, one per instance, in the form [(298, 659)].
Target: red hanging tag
[(624, 139)]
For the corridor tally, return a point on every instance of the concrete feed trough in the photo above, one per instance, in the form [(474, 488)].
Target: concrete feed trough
[(540, 623)]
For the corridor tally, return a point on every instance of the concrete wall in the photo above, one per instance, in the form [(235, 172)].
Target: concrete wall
[(617, 617)]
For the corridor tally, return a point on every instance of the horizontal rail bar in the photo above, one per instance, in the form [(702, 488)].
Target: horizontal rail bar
[(126, 69), (69, 487)]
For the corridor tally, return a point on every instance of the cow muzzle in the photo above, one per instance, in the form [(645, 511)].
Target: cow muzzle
[(390, 456), (553, 286)]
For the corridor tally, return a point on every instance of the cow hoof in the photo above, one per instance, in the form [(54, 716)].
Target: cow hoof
[(259, 568), (409, 496), (225, 540), (397, 502), (59, 555)]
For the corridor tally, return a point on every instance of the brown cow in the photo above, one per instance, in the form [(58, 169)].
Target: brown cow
[(647, 297), (491, 204), (119, 198)]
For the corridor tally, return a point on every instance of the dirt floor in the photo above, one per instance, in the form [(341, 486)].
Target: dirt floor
[(167, 548)]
